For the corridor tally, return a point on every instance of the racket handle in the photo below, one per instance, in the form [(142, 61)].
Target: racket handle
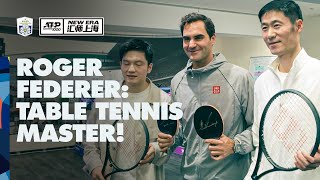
[(103, 169)]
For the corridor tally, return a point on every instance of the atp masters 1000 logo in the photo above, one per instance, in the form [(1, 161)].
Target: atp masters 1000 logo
[(71, 26), (24, 26)]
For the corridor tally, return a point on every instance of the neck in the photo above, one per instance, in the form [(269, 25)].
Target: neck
[(138, 88), (286, 60)]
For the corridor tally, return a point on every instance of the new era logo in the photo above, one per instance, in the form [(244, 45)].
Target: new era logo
[(215, 89)]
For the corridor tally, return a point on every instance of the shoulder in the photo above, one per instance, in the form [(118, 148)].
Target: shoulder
[(233, 72), (178, 76), (266, 75), (238, 70), (164, 97), (313, 63), (264, 78), (157, 92)]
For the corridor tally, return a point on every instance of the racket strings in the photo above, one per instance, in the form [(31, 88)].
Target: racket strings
[(288, 129), (286, 126), (131, 150)]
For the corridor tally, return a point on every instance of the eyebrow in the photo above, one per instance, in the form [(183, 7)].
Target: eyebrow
[(185, 37), (196, 36), (199, 36), (125, 60), (272, 22)]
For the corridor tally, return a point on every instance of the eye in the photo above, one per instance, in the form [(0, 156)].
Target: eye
[(277, 26), (198, 38), (264, 28), (186, 39), (140, 63), (125, 63)]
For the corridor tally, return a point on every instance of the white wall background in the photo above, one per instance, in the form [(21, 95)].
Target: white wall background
[(238, 50), (311, 36)]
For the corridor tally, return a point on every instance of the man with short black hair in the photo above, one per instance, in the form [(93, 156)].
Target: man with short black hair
[(136, 62), (282, 24)]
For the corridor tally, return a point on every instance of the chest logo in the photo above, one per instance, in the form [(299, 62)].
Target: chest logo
[(215, 89)]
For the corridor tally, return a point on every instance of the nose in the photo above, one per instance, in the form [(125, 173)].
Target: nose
[(271, 33), (131, 68), (192, 44)]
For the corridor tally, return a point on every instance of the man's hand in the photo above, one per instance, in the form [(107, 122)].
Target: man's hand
[(220, 148), (96, 174), (306, 162), (149, 156), (164, 141)]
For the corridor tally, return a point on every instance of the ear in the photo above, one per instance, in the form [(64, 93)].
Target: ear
[(299, 24), (150, 68), (213, 39)]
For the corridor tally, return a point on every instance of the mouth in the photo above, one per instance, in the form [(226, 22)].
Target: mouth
[(193, 51), (131, 76), (273, 43)]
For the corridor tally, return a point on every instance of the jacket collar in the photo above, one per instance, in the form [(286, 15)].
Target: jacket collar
[(154, 94), (297, 64), (217, 61)]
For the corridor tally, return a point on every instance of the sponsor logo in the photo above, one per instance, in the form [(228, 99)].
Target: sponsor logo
[(50, 26), (71, 26), (24, 26), (215, 89)]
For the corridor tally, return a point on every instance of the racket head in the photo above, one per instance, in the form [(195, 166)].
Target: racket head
[(208, 122), (289, 124), (132, 149), (167, 125)]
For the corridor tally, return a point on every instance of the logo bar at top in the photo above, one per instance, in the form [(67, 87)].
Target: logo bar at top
[(71, 26)]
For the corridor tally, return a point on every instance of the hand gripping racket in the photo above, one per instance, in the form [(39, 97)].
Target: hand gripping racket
[(129, 152), (289, 124), (166, 125), (208, 122)]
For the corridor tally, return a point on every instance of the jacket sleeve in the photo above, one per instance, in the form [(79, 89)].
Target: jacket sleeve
[(177, 141), (255, 135), (91, 155), (247, 105), (160, 157), (178, 138)]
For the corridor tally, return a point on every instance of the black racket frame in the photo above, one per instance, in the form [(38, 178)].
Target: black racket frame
[(262, 148), (117, 169)]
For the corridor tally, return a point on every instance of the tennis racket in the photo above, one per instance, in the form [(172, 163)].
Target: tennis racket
[(289, 124), (131, 150), (208, 122), (166, 125)]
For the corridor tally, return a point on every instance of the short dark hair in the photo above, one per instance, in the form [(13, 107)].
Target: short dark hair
[(192, 17), (137, 45), (289, 8)]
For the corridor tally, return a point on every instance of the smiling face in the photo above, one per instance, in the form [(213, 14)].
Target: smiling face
[(135, 68), (197, 44), (280, 35)]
